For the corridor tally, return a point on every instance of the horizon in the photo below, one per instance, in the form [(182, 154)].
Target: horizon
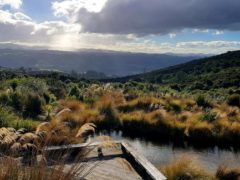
[(73, 25)]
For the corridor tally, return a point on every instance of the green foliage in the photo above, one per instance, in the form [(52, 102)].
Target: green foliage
[(35, 85), (222, 71), (58, 88), (75, 92), (4, 98), (17, 101), (209, 117), (14, 84), (9, 119), (26, 95)]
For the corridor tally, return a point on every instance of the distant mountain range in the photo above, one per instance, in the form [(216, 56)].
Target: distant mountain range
[(111, 63)]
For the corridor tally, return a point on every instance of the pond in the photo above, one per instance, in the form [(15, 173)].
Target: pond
[(161, 154)]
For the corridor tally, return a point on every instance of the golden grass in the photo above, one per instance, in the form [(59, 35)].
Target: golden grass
[(11, 169), (109, 106), (185, 167), (190, 122), (104, 103), (226, 173), (137, 114), (73, 105)]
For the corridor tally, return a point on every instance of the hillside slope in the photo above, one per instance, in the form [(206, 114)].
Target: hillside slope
[(216, 71)]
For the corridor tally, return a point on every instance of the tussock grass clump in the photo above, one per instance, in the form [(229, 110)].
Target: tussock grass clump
[(75, 114), (106, 107), (225, 173), (11, 168), (73, 105), (185, 167), (140, 103)]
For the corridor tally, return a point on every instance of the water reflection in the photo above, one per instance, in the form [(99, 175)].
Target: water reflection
[(160, 154)]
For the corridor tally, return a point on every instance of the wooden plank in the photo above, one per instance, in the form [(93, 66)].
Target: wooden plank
[(75, 146), (72, 146), (106, 169), (152, 171), (142, 165)]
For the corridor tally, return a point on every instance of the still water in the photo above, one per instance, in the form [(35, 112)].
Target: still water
[(161, 154)]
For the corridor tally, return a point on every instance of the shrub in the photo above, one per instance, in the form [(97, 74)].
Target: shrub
[(35, 85), (74, 91), (175, 87), (17, 100), (58, 88), (9, 119), (202, 102), (210, 116), (14, 84), (234, 100), (174, 107), (4, 98), (5, 117), (33, 105)]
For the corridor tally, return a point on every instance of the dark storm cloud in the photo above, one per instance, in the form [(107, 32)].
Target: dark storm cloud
[(144, 17)]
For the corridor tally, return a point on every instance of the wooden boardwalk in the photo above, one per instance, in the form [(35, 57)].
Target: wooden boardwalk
[(103, 162)]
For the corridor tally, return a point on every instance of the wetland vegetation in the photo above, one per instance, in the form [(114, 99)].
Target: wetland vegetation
[(52, 108)]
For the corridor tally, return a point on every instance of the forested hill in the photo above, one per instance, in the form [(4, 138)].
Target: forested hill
[(216, 71)]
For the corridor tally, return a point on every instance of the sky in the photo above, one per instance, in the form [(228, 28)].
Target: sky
[(149, 26)]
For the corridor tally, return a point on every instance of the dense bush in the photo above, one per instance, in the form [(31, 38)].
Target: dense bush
[(75, 92), (202, 102), (17, 101), (4, 98), (33, 105), (9, 119)]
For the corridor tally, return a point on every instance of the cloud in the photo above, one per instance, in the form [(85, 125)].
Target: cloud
[(122, 25), (172, 35), (218, 33), (200, 31), (20, 27), (143, 17), (208, 44), (70, 8), (21, 16), (15, 4)]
